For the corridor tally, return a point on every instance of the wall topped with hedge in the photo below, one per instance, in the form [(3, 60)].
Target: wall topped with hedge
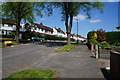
[(113, 37)]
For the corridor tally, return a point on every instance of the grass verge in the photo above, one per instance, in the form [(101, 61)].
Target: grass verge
[(2, 45), (66, 48), (31, 74)]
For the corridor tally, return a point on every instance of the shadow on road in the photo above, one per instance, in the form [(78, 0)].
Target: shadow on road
[(106, 74), (53, 44)]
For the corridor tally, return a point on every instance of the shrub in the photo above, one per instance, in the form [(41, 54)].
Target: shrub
[(28, 35), (7, 36), (113, 37), (116, 44), (50, 37), (93, 41), (105, 43), (101, 35)]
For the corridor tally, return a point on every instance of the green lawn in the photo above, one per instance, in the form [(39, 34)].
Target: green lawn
[(31, 74), (67, 48)]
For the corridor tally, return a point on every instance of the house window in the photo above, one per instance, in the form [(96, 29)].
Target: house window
[(35, 28), (10, 25), (2, 24), (2, 32)]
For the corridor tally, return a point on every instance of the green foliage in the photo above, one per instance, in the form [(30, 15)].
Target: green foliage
[(50, 37), (90, 34), (71, 9), (113, 37), (7, 36), (22, 11), (14, 43), (28, 35), (105, 43), (31, 74), (116, 44), (67, 48), (74, 8), (93, 41), (90, 37)]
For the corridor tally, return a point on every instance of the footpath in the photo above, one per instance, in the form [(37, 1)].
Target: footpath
[(79, 63)]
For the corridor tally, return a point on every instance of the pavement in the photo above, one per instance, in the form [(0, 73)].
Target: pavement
[(79, 63)]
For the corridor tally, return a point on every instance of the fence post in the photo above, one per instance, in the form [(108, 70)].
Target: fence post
[(97, 55), (115, 65)]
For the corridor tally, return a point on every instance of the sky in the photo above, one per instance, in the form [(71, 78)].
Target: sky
[(107, 21)]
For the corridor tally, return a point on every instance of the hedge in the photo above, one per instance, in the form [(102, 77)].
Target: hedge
[(113, 37), (28, 35), (7, 36), (50, 37)]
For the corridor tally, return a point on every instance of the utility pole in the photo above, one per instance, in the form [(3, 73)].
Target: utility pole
[(77, 30)]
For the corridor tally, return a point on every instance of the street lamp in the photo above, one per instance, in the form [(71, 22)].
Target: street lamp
[(77, 30)]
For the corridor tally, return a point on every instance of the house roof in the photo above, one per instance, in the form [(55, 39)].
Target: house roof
[(118, 27), (72, 35), (43, 27), (60, 30), (8, 21)]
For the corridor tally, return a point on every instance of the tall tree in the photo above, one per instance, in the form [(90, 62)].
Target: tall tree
[(19, 11), (71, 9)]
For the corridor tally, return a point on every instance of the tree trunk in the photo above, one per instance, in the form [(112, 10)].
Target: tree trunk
[(68, 39), (17, 31), (66, 24)]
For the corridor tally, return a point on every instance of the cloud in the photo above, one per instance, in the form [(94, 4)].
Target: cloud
[(42, 19), (80, 17), (95, 21)]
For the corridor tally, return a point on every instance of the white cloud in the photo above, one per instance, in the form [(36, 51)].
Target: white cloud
[(95, 21), (79, 17), (42, 19)]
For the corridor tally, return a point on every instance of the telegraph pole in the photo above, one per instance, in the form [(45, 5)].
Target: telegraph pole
[(77, 30)]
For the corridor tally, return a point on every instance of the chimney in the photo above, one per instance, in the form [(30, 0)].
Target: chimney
[(41, 23)]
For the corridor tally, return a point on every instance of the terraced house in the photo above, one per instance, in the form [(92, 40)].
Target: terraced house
[(9, 26)]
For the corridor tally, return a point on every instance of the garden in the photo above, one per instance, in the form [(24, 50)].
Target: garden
[(107, 41)]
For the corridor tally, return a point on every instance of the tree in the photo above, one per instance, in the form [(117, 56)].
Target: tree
[(101, 35), (71, 9), (19, 11)]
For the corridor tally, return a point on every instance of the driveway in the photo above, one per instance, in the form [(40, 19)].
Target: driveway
[(23, 56)]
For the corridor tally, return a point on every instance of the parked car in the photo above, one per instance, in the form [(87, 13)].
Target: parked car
[(37, 39)]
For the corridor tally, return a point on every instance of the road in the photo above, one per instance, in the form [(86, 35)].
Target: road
[(24, 56), (79, 63)]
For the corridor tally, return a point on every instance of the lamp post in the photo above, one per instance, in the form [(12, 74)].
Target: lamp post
[(77, 30)]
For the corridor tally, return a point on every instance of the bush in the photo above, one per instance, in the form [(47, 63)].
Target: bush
[(116, 44), (113, 37), (50, 37), (105, 43), (28, 35), (93, 41), (7, 36), (101, 35)]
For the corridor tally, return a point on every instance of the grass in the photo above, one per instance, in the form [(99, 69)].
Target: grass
[(31, 74), (66, 48)]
